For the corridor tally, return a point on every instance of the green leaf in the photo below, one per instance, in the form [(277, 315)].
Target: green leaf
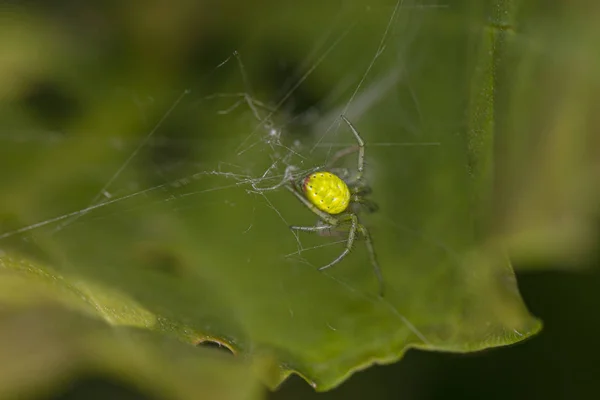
[(181, 242), (53, 344)]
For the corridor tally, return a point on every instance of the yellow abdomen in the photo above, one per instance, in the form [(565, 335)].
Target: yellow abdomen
[(327, 192)]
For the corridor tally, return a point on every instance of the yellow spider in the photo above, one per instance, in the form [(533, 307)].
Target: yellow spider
[(331, 198)]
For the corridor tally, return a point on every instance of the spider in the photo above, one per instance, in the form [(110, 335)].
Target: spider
[(336, 201)]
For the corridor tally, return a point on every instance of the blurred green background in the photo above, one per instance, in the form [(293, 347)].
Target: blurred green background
[(482, 137)]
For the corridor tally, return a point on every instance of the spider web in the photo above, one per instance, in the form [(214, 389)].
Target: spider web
[(253, 162)]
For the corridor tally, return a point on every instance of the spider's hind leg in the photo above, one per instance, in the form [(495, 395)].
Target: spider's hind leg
[(372, 257), (350, 242)]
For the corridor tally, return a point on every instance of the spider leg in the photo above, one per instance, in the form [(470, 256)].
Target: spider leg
[(373, 258), (349, 244), (360, 189), (341, 154), (356, 227), (328, 218), (288, 177), (343, 173), (361, 149), (317, 228), (369, 205)]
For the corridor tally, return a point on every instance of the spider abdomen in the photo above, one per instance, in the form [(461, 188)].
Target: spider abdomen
[(327, 191)]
